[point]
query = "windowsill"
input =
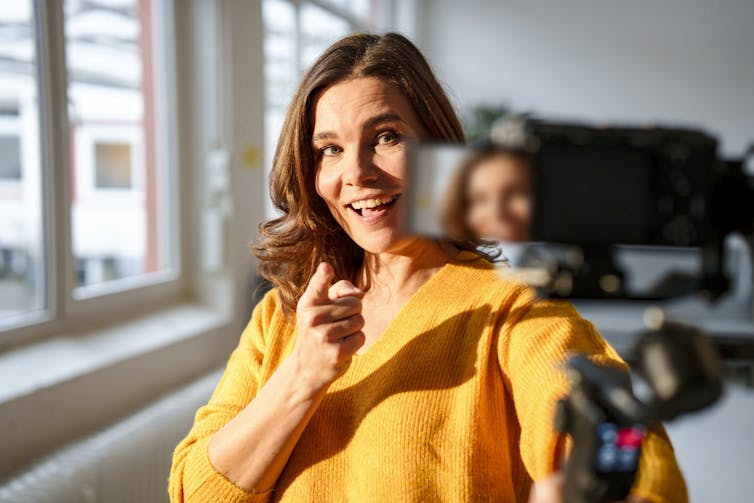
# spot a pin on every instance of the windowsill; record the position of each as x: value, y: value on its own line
x: 70, y: 356
x: 117, y: 369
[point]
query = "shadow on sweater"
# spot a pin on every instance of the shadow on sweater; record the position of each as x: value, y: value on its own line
x: 440, y: 358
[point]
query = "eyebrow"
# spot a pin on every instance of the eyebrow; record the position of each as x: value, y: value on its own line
x: 372, y: 122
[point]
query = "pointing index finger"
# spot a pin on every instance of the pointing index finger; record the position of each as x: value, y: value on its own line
x: 317, y: 290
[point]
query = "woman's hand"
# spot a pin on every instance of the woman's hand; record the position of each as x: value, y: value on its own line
x: 550, y: 490
x: 253, y: 448
x: 329, y: 328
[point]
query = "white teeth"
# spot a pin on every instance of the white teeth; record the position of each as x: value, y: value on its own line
x: 370, y: 203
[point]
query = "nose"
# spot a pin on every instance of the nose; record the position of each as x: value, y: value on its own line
x: 503, y: 210
x: 360, y: 168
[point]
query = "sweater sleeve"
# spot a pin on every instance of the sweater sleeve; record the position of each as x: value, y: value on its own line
x: 536, y: 339
x: 192, y: 476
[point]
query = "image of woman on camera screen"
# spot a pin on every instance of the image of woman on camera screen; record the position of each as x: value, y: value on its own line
x: 384, y: 366
x: 492, y: 189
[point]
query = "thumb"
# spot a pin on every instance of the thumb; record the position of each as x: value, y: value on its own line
x: 344, y: 288
x: 316, y: 290
x: 548, y: 490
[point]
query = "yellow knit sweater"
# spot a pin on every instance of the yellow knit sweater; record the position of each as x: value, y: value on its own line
x: 454, y: 402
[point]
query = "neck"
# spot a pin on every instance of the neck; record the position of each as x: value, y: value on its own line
x: 400, y: 273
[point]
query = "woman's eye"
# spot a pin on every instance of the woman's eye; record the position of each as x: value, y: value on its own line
x: 387, y: 138
x: 331, y: 150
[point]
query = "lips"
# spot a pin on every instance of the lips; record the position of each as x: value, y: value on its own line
x: 373, y: 209
x: 374, y: 202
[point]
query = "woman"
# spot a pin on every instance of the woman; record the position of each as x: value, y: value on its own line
x: 492, y: 188
x: 383, y: 367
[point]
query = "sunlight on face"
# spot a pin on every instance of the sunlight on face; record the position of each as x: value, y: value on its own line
x: 362, y: 128
x: 499, y: 198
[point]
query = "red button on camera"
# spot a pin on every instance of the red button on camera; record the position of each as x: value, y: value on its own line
x: 629, y: 437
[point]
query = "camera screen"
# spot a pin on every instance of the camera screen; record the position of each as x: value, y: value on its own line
x: 563, y: 194
x: 595, y: 196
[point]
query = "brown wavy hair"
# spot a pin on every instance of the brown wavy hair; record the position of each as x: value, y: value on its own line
x: 292, y: 245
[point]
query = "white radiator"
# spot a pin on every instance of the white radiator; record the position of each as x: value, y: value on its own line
x: 126, y: 462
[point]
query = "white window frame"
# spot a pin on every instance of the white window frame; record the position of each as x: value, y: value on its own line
x: 68, y: 308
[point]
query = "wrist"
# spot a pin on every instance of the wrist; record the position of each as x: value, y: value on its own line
x: 303, y: 386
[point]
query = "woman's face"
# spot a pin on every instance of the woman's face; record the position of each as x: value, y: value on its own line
x: 361, y: 132
x: 499, y: 198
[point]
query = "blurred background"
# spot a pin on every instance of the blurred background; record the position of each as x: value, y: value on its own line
x: 136, y: 137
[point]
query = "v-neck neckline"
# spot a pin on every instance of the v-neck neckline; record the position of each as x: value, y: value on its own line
x: 382, y: 344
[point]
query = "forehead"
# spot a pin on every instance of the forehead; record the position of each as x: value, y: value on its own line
x: 498, y: 167
x: 351, y: 103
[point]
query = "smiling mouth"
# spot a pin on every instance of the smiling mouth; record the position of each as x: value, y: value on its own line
x: 374, y: 206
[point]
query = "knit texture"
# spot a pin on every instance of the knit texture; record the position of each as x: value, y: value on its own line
x: 454, y: 402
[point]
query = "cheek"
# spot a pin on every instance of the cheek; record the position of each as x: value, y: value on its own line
x: 326, y: 185
x: 521, y: 205
x: 395, y: 164
x: 478, y: 214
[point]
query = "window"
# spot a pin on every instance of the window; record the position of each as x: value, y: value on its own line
x: 23, y: 271
x: 296, y: 33
x: 117, y: 209
x: 86, y: 212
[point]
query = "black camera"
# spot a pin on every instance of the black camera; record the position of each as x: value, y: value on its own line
x: 604, y: 186
x: 594, y: 188
x: 587, y: 190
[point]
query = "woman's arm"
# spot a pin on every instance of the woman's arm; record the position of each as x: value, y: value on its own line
x: 252, y: 449
x: 238, y: 454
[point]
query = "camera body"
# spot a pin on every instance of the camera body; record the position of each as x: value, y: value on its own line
x: 597, y: 187
x: 604, y: 186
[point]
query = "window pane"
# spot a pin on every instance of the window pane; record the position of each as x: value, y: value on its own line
x: 112, y: 161
x: 22, y: 271
x: 280, y: 72
x: 117, y: 207
x: 319, y: 29
x: 363, y: 9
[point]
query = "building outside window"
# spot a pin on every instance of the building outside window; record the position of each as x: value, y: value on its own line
x: 116, y: 163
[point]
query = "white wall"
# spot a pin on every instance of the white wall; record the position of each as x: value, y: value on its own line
x: 676, y: 61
